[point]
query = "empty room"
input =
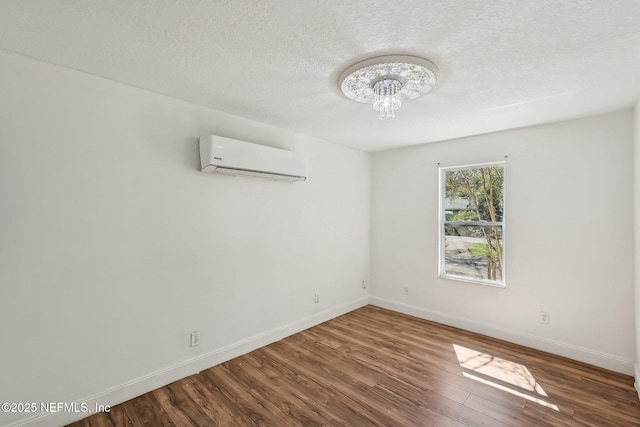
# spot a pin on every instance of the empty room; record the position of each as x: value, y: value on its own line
x: 331, y: 213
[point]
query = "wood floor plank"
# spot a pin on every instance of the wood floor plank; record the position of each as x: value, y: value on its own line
x: 317, y: 392
x: 544, y: 416
x: 507, y: 412
x: 347, y: 384
x: 375, y: 367
x: 218, y: 400
x: 147, y: 411
x: 100, y: 419
x: 118, y: 414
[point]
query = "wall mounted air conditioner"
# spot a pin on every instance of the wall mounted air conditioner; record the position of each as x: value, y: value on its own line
x: 232, y: 157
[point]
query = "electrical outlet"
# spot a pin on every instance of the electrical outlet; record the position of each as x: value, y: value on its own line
x: 195, y: 338
x: 406, y: 289
x: 364, y: 285
x: 316, y: 298
x: 544, y: 317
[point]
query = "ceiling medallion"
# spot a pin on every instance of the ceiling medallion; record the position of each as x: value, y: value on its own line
x: 386, y: 81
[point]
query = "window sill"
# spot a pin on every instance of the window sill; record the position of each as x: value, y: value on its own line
x: 471, y: 280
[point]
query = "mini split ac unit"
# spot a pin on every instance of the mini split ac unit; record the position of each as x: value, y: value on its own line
x: 232, y: 157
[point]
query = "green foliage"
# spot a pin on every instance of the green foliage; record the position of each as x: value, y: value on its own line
x: 482, y: 186
x: 465, y: 216
x: 482, y: 249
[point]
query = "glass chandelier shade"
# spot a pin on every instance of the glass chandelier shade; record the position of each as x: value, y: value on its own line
x: 387, y: 81
x: 387, y: 98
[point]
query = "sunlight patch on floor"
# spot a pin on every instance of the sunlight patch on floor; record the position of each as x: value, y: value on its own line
x: 501, y: 374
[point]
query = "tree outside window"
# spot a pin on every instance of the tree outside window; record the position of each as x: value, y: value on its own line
x: 472, y: 223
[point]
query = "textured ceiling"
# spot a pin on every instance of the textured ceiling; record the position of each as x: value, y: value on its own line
x: 503, y: 63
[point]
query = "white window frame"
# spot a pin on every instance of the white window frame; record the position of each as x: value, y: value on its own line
x: 442, y: 221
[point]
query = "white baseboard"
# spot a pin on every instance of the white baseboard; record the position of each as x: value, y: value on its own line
x: 585, y: 355
x: 147, y: 383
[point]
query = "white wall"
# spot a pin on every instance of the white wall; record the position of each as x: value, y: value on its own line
x: 113, y: 246
x: 569, y: 243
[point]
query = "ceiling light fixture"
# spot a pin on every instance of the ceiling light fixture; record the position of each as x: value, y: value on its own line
x: 386, y: 81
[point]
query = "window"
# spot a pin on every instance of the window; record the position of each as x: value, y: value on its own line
x: 472, y: 223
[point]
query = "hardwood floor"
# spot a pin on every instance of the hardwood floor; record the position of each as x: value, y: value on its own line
x: 374, y: 367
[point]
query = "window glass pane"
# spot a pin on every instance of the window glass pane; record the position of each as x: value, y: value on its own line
x: 474, y: 251
x: 472, y: 215
x: 474, y: 194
